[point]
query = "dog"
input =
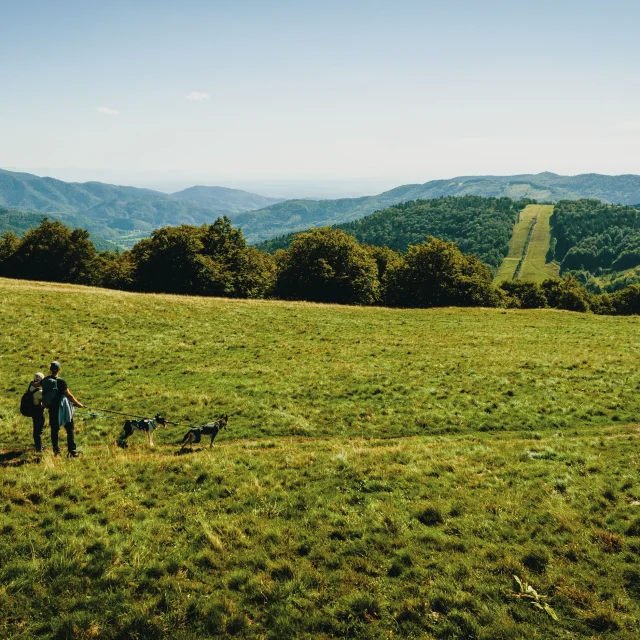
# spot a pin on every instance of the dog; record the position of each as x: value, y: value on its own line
x: 210, y: 429
x: 148, y: 425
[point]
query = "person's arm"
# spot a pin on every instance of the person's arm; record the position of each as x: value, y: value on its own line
x: 70, y: 396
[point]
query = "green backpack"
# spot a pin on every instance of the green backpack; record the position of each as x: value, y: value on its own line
x: 49, y: 392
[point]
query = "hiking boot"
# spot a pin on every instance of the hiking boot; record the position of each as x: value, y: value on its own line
x: 41, y: 449
x: 74, y: 454
x: 56, y: 452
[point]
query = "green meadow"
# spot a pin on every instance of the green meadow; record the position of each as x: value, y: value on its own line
x: 386, y: 472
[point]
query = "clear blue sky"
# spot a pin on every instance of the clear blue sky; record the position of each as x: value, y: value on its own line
x: 399, y: 91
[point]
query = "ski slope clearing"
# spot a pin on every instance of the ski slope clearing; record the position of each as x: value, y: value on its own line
x: 535, y: 267
x: 518, y: 243
x: 529, y: 247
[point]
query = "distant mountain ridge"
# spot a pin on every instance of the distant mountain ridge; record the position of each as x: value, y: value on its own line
x: 298, y: 215
x: 224, y: 199
x: 117, y: 212
x: 126, y: 214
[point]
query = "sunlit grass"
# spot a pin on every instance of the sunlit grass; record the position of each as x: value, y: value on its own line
x: 385, y: 474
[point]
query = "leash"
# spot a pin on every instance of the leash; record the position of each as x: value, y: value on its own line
x: 120, y: 413
x: 92, y: 414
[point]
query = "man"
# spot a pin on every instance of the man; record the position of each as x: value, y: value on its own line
x: 54, y: 389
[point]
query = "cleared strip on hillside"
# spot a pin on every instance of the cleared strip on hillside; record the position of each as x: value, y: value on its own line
x: 517, y: 243
x: 535, y: 268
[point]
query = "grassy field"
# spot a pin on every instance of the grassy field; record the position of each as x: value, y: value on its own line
x: 517, y: 244
x: 535, y: 268
x: 386, y: 472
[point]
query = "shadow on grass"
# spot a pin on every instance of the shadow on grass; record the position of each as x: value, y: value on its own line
x: 183, y: 452
x: 16, y: 458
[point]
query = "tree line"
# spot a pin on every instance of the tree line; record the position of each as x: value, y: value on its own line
x: 479, y: 226
x: 320, y: 265
x: 593, y: 238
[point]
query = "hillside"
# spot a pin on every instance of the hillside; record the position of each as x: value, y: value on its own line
x: 518, y: 244
x: 298, y: 215
x: 228, y: 201
x: 529, y: 248
x: 315, y: 514
x: 117, y: 213
x: 480, y: 226
x: 537, y: 265
x: 19, y: 222
x: 595, y: 236
x: 126, y: 214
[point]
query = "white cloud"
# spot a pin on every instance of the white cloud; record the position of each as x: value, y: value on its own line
x: 197, y: 96
x: 107, y: 112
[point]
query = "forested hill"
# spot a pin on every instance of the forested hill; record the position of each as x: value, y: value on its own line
x: 298, y: 215
x: 19, y: 222
x: 225, y: 200
x: 590, y: 239
x: 127, y: 214
x: 479, y: 226
x: 120, y: 213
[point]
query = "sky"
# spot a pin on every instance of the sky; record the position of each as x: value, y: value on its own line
x: 355, y: 94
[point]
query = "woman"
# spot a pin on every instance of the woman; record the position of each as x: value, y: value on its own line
x: 37, y: 415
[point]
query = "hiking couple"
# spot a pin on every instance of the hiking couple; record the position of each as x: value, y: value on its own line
x: 52, y: 392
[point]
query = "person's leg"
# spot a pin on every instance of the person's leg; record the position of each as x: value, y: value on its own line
x: 55, y: 427
x: 71, y: 444
x: 38, y: 426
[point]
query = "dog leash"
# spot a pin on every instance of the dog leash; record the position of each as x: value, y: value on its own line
x: 126, y: 415
x: 93, y: 414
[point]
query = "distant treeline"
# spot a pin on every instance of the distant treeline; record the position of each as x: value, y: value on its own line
x: 595, y: 239
x: 478, y: 226
x: 321, y: 265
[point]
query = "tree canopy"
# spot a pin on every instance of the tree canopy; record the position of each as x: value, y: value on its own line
x: 327, y: 265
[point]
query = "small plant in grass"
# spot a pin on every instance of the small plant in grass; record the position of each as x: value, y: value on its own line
x: 430, y: 516
x: 526, y: 592
x: 362, y: 606
x: 609, y: 541
x: 536, y: 560
x: 634, y: 528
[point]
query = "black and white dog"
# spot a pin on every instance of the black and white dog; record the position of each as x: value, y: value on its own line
x: 210, y: 429
x: 146, y: 425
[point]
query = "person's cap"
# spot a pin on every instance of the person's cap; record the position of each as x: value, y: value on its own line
x: 38, y: 376
x: 55, y: 366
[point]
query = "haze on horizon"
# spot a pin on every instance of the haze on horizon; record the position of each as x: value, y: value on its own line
x: 368, y: 93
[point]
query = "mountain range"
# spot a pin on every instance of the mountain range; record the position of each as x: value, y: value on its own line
x: 125, y: 214
x: 120, y: 213
x: 296, y: 215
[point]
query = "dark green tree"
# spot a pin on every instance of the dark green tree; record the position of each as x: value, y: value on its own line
x: 54, y: 253
x: 170, y: 261
x: 565, y: 293
x: 118, y: 270
x: 9, y: 243
x: 527, y: 295
x: 327, y: 265
x: 436, y: 274
x: 626, y: 301
x: 211, y: 260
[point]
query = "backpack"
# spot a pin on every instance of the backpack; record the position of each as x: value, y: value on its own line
x: 26, y: 403
x: 49, y: 388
